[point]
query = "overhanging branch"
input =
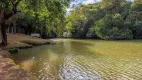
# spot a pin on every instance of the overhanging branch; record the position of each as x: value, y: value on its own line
x: 14, y: 9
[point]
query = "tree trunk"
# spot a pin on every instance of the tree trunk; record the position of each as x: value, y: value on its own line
x: 6, y: 16
x: 14, y: 27
x: 4, y: 34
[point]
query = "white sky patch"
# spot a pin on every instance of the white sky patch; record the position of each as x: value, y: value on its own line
x: 77, y: 3
x: 89, y: 1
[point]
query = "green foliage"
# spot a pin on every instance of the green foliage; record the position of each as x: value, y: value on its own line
x: 69, y: 26
x: 137, y: 5
x: 112, y: 27
x: 108, y: 19
x: 80, y: 20
x: 134, y: 19
x: 42, y: 16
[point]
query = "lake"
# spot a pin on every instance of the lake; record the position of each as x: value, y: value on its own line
x: 74, y: 59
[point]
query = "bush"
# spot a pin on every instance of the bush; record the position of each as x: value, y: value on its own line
x: 112, y: 27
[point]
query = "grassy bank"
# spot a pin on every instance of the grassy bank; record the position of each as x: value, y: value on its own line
x: 24, y: 41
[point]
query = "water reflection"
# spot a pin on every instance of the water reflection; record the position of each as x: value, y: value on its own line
x: 84, y: 60
x: 27, y: 64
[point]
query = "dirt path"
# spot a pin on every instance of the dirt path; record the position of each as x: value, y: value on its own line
x: 24, y: 41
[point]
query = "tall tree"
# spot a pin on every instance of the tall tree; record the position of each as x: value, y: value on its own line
x: 8, y: 10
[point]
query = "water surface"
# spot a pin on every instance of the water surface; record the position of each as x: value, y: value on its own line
x: 72, y: 59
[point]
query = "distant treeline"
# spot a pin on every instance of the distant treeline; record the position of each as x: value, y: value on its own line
x: 108, y: 19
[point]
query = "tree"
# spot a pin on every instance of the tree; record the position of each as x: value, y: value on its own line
x: 8, y: 10
x: 79, y: 24
x: 108, y: 19
x: 112, y: 27
x: 134, y: 19
x: 42, y: 8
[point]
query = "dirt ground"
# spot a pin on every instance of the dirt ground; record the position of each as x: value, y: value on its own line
x: 24, y: 41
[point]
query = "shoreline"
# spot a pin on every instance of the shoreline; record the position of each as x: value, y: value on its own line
x: 8, y: 69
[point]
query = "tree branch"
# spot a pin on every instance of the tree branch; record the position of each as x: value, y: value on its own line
x: 14, y: 5
x: 14, y: 9
x: 17, y: 2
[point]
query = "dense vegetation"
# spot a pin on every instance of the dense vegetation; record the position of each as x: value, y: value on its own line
x: 28, y: 16
x: 108, y: 19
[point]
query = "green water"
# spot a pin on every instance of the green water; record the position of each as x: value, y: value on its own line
x: 72, y: 59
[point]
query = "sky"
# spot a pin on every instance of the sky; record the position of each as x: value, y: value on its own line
x: 76, y: 3
x: 89, y: 1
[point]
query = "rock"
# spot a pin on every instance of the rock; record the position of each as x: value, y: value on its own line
x: 4, y: 54
x: 14, y: 50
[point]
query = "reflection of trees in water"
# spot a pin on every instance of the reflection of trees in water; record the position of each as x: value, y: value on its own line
x: 72, y: 59
x: 72, y: 68
x: 49, y: 64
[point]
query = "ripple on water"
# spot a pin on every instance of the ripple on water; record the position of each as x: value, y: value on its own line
x: 73, y: 70
x: 85, y: 60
